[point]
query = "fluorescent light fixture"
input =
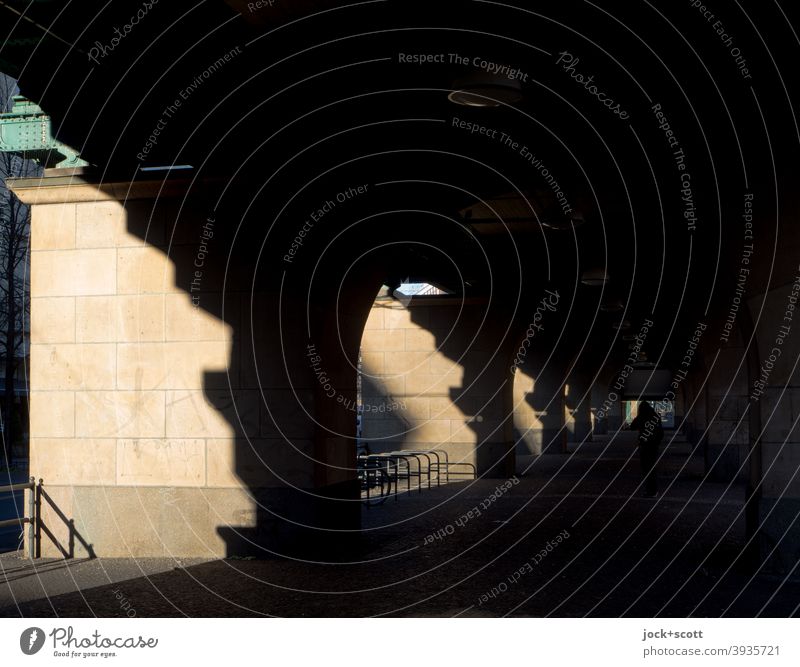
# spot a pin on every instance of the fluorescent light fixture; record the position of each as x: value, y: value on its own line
x: 595, y: 277
x: 485, y: 90
x: 612, y: 306
x: 174, y: 167
x: 559, y: 220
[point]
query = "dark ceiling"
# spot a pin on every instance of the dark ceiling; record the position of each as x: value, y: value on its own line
x: 313, y: 99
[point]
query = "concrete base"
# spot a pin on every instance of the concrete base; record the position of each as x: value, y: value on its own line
x: 779, y: 536
x: 579, y: 431
x: 554, y: 441
x: 541, y: 441
x: 725, y: 463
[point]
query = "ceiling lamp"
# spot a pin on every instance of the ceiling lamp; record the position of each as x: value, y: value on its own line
x: 561, y: 220
x: 612, y: 306
x: 595, y: 277
x: 483, y: 89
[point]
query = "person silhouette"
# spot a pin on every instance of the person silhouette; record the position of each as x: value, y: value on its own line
x: 648, y: 423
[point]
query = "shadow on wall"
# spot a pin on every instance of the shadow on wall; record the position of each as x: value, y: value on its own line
x: 386, y: 418
x: 217, y: 427
x: 200, y: 427
x: 223, y: 423
x: 450, y: 364
x: 458, y: 386
x: 539, y: 416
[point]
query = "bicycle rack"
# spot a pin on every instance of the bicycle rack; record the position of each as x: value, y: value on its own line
x: 438, y: 453
x: 472, y: 470
x: 398, y: 458
x: 369, y: 467
x: 417, y: 453
x: 408, y: 455
x: 392, y: 467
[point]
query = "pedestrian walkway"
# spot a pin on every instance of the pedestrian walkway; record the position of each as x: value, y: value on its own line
x: 571, y: 537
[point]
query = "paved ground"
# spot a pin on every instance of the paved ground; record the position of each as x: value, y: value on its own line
x: 621, y: 554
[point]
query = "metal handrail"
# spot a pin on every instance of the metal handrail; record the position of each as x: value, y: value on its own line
x: 417, y: 454
x: 30, y: 517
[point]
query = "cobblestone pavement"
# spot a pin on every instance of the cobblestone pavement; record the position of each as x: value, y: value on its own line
x: 572, y: 538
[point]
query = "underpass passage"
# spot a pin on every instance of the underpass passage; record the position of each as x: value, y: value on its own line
x: 673, y: 554
x: 618, y: 226
x: 237, y: 416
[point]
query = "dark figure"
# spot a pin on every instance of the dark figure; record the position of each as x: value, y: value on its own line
x: 648, y: 423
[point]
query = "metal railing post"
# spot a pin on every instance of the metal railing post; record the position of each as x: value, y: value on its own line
x: 32, y: 519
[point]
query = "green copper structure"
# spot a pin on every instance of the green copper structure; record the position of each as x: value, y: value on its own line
x: 26, y: 129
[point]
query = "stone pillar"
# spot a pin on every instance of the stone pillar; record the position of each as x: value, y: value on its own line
x: 603, y: 401
x: 162, y: 420
x: 694, y: 413
x: 775, y: 457
x: 614, y: 414
x: 578, y: 400
x: 728, y: 434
